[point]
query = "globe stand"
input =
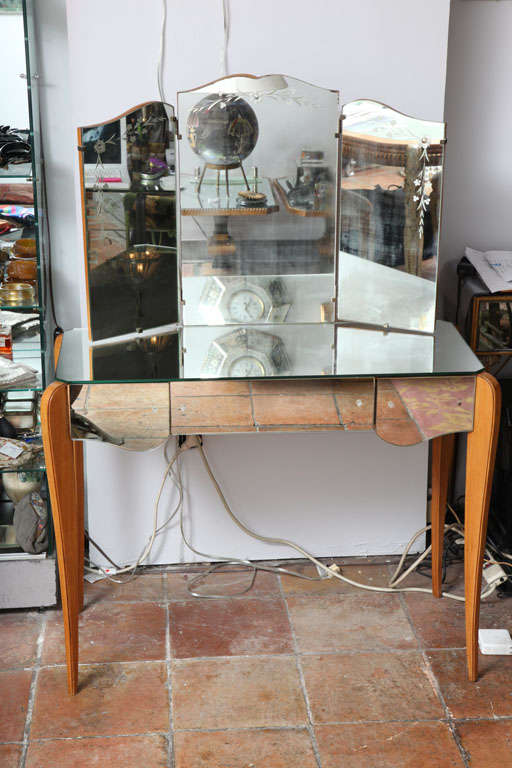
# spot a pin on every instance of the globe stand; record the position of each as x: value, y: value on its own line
x: 225, y: 168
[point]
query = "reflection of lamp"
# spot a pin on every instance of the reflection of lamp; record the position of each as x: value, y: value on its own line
x: 153, y: 346
x: 223, y: 130
x: 139, y: 263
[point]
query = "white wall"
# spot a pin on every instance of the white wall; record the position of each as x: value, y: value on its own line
x: 478, y: 182
x: 12, y: 63
x: 338, y: 493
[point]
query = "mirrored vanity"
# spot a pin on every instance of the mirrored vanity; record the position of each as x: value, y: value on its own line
x: 266, y: 245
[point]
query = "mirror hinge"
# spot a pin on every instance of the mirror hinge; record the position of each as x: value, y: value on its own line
x: 177, y: 128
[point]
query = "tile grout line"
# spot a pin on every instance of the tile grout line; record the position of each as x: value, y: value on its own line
x: 32, y: 692
x: 435, y: 684
x: 300, y: 672
x: 303, y: 654
x: 170, y: 735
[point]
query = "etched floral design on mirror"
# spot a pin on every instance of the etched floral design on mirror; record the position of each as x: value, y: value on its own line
x: 390, y: 206
x: 129, y: 198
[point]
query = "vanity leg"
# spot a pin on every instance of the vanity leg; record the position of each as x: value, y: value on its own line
x: 78, y: 455
x: 481, y: 455
x: 61, y: 462
x: 442, y: 465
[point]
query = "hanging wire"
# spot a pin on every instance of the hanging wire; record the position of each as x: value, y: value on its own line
x: 226, y: 17
x: 161, y: 56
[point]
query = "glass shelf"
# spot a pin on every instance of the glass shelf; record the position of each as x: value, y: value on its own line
x: 33, y: 358
x: 36, y: 465
x: 21, y: 171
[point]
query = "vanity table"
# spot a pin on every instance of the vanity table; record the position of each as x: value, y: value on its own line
x: 277, y: 336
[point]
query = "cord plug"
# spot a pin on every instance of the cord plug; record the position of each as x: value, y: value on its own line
x: 494, y: 574
x: 324, y: 574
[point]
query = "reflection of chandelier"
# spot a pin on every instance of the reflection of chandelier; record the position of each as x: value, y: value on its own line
x: 152, y: 346
x: 139, y: 262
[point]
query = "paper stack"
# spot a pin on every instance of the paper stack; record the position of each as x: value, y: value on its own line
x: 494, y: 267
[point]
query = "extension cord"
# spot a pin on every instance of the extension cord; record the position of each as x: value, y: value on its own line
x: 494, y: 574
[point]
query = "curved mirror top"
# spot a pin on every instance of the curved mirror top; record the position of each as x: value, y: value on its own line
x: 389, y: 217
x: 372, y: 118
x: 129, y: 203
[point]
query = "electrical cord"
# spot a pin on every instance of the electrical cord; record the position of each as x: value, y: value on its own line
x: 173, y: 470
x: 292, y: 545
x: 161, y: 56
x: 131, y: 569
x: 226, y: 18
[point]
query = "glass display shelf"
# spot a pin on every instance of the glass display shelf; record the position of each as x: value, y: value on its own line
x: 276, y: 351
x: 21, y: 171
x: 35, y: 465
x: 33, y: 358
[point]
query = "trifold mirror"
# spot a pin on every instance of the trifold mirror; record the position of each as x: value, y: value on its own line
x: 258, y: 232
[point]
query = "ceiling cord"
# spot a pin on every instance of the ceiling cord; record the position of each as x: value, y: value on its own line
x: 226, y: 18
x: 161, y: 57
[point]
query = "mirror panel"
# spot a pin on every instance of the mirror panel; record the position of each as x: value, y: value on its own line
x: 258, y: 170
x: 129, y: 198
x: 390, y: 205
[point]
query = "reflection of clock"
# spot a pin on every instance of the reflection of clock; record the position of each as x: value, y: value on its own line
x: 244, y: 300
x: 245, y: 306
x: 247, y: 353
x: 246, y: 365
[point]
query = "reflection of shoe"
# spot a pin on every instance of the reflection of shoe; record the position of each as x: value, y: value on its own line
x: 13, y: 149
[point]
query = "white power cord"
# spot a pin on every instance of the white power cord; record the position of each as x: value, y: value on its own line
x: 173, y: 470
x: 226, y: 17
x: 328, y: 569
x: 156, y: 528
x: 161, y: 56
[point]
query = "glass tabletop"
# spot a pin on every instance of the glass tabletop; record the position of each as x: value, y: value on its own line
x: 306, y: 350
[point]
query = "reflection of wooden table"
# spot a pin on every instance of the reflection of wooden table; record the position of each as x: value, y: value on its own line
x: 213, y: 201
x: 402, y: 411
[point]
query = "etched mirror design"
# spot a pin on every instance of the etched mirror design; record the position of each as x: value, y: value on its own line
x: 129, y: 203
x: 258, y: 181
x: 390, y: 204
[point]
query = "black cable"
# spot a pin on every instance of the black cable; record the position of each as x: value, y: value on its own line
x: 97, y: 546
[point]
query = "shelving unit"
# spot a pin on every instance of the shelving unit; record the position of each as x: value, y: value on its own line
x: 27, y: 580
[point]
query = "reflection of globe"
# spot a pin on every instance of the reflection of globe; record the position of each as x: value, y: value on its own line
x: 222, y: 129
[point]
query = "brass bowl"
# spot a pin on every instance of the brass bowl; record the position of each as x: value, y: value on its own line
x: 16, y: 295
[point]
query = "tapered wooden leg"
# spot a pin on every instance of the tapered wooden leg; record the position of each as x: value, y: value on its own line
x: 442, y: 465
x: 481, y: 455
x: 78, y: 455
x: 61, y: 462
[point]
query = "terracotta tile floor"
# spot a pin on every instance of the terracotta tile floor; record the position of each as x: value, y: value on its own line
x: 293, y: 674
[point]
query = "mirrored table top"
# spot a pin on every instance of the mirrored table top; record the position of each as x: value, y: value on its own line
x: 284, y: 351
